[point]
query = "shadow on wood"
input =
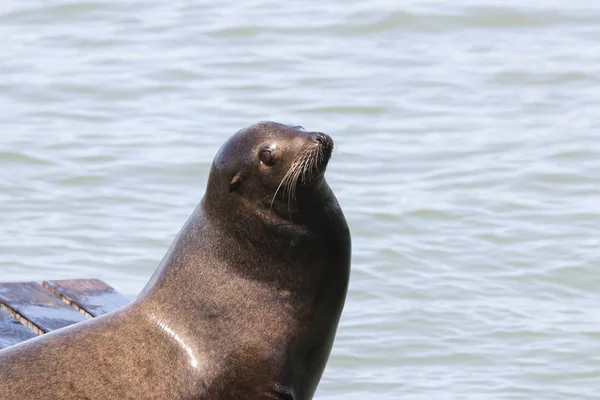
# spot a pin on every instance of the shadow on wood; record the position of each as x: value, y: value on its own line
x: 12, y: 331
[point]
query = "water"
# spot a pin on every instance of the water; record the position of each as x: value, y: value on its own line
x: 467, y: 164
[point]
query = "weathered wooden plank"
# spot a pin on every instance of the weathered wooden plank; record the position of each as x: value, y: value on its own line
x: 12, y: 331
x: 93, y: 297
x: 43, y: 310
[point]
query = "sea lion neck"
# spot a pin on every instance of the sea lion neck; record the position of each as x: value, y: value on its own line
x: 227, y: 227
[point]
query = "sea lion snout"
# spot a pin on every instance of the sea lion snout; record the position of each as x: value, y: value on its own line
x: 325, y: 146
x: 325, y: 141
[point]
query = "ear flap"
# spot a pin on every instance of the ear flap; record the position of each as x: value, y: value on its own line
x: 234, y: 183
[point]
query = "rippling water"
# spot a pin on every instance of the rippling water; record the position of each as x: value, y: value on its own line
x: 467, y: 164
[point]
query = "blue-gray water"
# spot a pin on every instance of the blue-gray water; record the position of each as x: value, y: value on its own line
x: 467, y: 164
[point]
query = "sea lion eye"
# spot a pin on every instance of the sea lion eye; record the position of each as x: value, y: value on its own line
x: 266, y: 157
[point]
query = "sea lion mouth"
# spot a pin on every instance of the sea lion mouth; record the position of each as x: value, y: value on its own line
x: 307, y: 167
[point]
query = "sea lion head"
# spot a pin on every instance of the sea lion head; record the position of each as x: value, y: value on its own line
x: 270, y: 168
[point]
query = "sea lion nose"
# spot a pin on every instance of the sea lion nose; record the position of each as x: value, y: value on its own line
x: 324, y: 140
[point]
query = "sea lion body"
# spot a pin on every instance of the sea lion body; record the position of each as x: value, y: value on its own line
x: 245, y: 304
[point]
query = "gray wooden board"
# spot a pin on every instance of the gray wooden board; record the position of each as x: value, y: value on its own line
x: 39, y: 306
x: 93, y: 296
x: 12, y: 331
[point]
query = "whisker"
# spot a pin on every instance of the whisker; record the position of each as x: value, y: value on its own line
x: 321, y: 158
x: 294, y: 184
x: 303, y: 168
x: 309, y: 165
x: 278, y: 187
x: 314, y: 165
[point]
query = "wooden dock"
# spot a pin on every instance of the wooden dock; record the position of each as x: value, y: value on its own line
x: 28, y: 309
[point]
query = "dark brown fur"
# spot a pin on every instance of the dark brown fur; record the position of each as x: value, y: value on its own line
x: 244, y: 305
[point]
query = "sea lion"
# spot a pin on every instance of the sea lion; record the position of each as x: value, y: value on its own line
x: 244, y: 305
